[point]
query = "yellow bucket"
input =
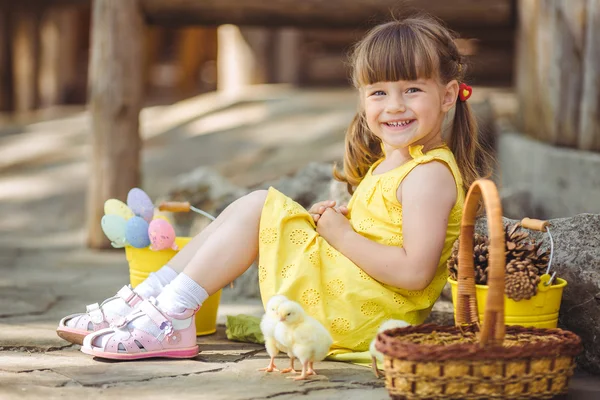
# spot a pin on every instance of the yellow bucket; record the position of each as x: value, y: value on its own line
x: 540, y: 311
x: 143, y: 261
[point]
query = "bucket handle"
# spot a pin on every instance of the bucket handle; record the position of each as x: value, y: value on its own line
x: 542, y: 226
x: 182, y: 206
x: 492, y: 327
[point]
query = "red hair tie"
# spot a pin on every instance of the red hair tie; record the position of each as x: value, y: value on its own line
x: 464, y: 91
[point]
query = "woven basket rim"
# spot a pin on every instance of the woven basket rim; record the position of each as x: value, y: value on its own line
x: 391, y: 343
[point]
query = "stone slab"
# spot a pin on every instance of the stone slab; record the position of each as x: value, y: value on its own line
x: 42, y: 378
x: 25, y: 300
x: 21, y: 361
x: 105, y: 372
x: 30, y: 337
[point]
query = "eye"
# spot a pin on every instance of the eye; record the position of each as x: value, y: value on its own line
x: 289, y: 313
x: 378, y: 93
x: 413, y: 90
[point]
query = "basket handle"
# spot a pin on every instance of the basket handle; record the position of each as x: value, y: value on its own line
x: 492, y: 329
x: 174, y: 206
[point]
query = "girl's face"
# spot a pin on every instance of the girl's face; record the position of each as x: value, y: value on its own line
x: 405, y: 113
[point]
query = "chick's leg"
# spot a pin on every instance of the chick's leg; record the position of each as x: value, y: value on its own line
x: 291, y: 368
x: 376, y: 370
x: 311, y: 371
x: 272, y: 350
x: 271, y: 367
x: 304, y: 375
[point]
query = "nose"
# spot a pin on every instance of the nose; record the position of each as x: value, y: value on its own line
x: 395, y: 104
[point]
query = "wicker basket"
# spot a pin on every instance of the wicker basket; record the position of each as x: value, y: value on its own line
x: 472, y: 361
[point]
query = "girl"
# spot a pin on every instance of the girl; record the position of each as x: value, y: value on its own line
x: 383, y: 256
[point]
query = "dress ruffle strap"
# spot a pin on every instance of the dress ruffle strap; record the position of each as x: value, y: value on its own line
x: 416, y: 152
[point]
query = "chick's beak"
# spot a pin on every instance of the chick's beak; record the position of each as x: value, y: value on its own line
x: 282, y: 319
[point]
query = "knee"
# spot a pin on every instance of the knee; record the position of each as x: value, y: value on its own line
x: 256, y: 200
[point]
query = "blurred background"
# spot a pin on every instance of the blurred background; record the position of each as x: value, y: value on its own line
x: 185, y: 99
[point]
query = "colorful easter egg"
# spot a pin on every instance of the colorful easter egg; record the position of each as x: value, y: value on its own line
x: 136, y: 232
x: 114, y: 229
x: 162, y: 235
x: 117, y: 207
x: 140, y: 204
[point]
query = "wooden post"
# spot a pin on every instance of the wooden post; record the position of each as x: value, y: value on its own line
x: 287, y: 51
x: 550, y: 65
x: 569, y: 46
x: 25, y: 47
x: 243, y: 57
x: 58, y: 64
x: 6, y: 81
x: 589, y: 125
x: 526, y: 85
x: 115, y: 85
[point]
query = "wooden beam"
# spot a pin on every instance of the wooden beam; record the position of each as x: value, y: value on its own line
x: 319, y: 13
x: 115, y: 83
x: 589, y: 138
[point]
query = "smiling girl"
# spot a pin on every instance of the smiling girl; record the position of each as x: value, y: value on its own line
x: 351, y: 267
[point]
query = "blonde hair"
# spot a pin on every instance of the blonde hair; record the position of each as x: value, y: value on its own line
x: 410, y: 49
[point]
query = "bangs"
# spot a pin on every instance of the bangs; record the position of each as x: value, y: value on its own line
x: 393, y: 52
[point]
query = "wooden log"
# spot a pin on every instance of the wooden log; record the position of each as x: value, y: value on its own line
x: 115, y: 82
x: 244, y: 57
x: 25, y: 57
x: 589, y: 136
x: 58, y: 64
x: 287, y: 53
x: 570, y: 31
x: 528, y: 81
x: 319, y: 13
x: 6, y: 74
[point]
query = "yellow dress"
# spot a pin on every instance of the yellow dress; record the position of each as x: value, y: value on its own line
x: 297, y: 262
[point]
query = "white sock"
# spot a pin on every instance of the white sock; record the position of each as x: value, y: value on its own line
x: 156, y: 282
x: 182, y: 293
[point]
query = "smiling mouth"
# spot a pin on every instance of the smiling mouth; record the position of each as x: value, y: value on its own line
x: 396, y: 124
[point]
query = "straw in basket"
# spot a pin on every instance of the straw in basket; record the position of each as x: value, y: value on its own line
x: 472, y: 361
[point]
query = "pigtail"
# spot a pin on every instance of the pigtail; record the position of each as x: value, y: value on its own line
x: 473, y: 160
x: 362, y: 150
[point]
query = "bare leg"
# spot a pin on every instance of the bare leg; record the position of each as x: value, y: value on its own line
x: 311, y: 371
x: 229, y: 249
x: 185, y: 255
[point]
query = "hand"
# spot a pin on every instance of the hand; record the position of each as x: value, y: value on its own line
x: 319, y: 208
x: 333, y: 225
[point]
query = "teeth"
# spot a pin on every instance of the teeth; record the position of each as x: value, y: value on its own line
x: 398, y: 123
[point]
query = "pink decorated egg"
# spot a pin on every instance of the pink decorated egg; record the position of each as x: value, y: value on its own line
x: 162, y: 235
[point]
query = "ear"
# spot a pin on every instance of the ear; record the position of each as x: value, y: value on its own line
x: 450, y: 95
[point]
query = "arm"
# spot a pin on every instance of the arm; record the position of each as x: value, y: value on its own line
x: 427, y: 195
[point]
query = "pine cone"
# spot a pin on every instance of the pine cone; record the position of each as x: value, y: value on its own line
x: 452, y: 262
x: 480, y: 259
x: 521, y: 279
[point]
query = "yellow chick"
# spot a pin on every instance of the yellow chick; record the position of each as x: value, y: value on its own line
x: 267, y: 326
x: 377, y: 355
x: 303, y: 335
